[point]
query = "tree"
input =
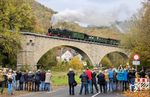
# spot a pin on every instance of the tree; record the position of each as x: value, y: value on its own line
x: 15, y: 16
x: 76, y: 63
x: 137, y: 40
x: 48, y: 60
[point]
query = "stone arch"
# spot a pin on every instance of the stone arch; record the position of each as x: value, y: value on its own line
x: 80, y: 51
x: 123, y: 54
x: 33, y: 50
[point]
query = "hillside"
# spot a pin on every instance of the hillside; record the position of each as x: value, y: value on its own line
x: 43, y: 15
x: 106, y: 32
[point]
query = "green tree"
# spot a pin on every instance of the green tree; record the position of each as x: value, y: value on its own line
x: 48, y: 60
x: 15, y: 16
x: 137, y: 40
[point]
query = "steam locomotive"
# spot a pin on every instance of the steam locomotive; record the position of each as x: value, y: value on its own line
x: 65, y: 33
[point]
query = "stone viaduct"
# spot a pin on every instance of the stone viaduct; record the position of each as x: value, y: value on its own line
x: 34, y: 46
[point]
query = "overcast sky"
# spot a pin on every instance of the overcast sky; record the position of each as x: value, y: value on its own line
x: 92, y: 12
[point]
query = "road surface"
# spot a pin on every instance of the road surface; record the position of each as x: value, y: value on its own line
x: 63, y: 92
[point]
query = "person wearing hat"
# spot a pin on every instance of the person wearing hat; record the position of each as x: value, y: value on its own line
x: 71, y: 81
x: 48, y: 76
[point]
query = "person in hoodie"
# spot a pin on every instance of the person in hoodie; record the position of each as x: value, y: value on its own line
x: 71, y: 80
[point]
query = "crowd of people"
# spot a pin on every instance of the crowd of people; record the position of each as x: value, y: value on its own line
x: 92, y: 81
x: 108, y: 80
x: 29, y: 81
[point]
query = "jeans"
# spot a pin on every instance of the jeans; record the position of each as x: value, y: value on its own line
x: 17, y: 85
x: 96, y: 88
x: 111, y: 84
x: 132, y: 80
x: 120, y: 85
x: 47, y: 86
x: 42, y: 86
x: 84, y: 85
x: 90, y: 85
x: 107, y: 86
x: 10, y: 88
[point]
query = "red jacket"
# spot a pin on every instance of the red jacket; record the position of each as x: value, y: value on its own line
x: 89, y: 74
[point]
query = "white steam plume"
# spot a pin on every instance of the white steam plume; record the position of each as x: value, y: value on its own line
x: 92, y: 16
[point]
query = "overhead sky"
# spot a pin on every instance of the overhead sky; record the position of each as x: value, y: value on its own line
x: 92, y: 12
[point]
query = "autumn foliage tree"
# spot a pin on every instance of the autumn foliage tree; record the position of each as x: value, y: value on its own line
x: 76, y: 63
x: 15, y: 16
x: 138, y: 39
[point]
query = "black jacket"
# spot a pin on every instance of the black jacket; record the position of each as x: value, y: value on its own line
x: 71, y: 78
x: 101, y: 78
x: 84, y: 78
x: 94, y: 77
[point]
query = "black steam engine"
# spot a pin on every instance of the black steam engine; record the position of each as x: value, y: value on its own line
x: 64, y: 33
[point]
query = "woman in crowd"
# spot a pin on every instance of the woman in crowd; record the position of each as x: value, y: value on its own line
x: 71, y: 81
x: 10, y: 79
x: 48, y: 76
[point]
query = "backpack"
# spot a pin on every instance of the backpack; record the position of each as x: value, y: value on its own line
x: 101, y: 77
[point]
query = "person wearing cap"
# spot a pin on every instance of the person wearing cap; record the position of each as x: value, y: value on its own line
x: 71, y: 80
x: 101, y: 82
x: 48, y: 76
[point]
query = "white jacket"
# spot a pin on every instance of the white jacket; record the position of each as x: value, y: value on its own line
x: 48, y: 77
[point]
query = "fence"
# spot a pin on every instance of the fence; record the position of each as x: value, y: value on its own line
x: 141, y: 84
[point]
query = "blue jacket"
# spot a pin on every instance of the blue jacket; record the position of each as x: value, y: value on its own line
x: 125, y: 75
x: 110, y: 74
x: 120, y: 76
